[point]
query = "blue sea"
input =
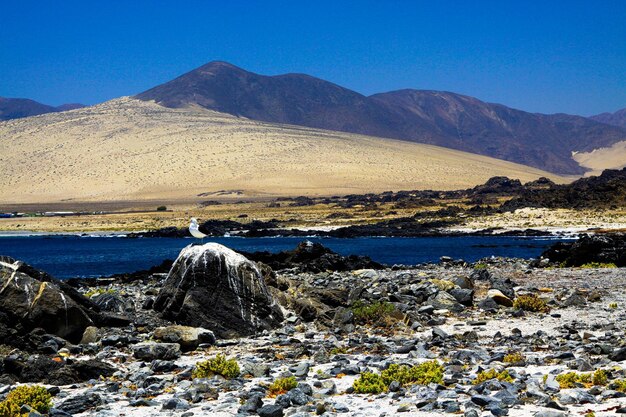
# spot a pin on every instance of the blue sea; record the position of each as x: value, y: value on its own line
x: 94, y: 256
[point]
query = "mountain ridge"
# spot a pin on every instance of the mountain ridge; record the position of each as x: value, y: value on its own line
x: 16, y: 108
x: 461, y: 122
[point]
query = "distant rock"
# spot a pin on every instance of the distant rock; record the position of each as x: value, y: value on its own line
x: 588, y: 249
x: 313, y: 257
x: 213, y: 287
x: 189, y: 338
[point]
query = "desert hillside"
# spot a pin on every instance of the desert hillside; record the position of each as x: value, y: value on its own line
x: 128, y: 149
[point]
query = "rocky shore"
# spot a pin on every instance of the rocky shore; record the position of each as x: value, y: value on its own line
x: 221, y: 334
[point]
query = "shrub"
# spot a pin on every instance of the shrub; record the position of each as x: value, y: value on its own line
x: 282, y: 385
x: 369, y: 383
x: 219, y: 365
x: 619, y: 385
x: 598, y: 265
x: 368, y: 313
x: 491, y: 374
x: 97, y: 291
x: 422, y: 374
x: 161, y: 208
x: 480, y: 265
x: 515, y: 357
x: 36, y: 396
x: 442, y: 284
x: 573, y: 379
x: 613, y: 306
x: 531, y: 302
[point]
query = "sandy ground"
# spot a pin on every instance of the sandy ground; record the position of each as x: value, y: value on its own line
x: 126, y: 149
x: 613, y: 157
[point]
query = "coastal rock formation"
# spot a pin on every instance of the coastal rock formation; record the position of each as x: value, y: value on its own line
x: 213, y: 287
x: 607, y: 249
x: 27, y: 303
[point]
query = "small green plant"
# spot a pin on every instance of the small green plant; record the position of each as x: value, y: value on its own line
x: 574, y: 379
x: 340, y: 350
x: 35, y: 396
x: 97, y: 291
x: 531, y: 302
x: 590, y: 414
x: 282, y: 385
x: 422, y: 374
x: 619, y: 385
x: 613, y: 306
x: 219, y: 365
x: 371, y: 312
x: 515, y: 357
x: 493, y: 374
x: 369, y: 383
x: 598, y: 265
x: 161, y: 208
x: 480, y: 265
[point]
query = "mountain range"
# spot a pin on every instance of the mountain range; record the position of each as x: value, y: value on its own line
x: 15, y: 108
x: 434, y: 117
x: 558, y: 143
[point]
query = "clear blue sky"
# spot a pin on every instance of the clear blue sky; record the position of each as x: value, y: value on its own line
x: 539, y: 56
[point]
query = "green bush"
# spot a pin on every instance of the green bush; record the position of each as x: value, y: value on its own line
x: 161, y: 208
x: 371, y: 312
x: 369, y: 383
x: 422, y: 374
x: 282, y: 385
x: 515, y: 357
x: 598, y: 265
x: 531, y: 302
x: 493, y: 374
x: 35, y: 396
x: 219, y: 365
x: 573, y: 379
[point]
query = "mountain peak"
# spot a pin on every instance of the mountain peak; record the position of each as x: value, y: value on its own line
x: 433, y: 117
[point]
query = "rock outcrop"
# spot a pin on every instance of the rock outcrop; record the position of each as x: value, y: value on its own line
x: 213, y: 287
x: 608, y: 249
x: 27, y: 303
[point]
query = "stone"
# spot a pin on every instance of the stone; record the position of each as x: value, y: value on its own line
x: 150, y: 351
x: 618, y: 355
x: 443, y: 300
x: 213, y: 287
x: 80, y: 403
x: 271, y: 410
x: 189, y: 338
x: 31, y: 299
x: 464, y: 296
x: 499, y: 298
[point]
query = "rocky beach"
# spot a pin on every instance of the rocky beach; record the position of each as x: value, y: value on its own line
x: 317, y: 333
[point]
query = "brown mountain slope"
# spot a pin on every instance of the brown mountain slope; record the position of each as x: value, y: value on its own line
x: 127, y: 150
x: 15, y: 108
x: 616, y: 119
x: 440, y: 118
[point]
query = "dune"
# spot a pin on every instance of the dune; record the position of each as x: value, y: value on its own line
x: 126, y: 149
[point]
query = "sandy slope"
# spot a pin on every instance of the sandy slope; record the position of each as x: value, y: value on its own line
x: 126, y: 149
x: 613, y: 157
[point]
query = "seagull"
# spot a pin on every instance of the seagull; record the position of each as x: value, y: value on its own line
x: 194, y: 229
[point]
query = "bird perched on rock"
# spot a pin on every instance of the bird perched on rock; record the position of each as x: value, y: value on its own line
x: 194, y: 229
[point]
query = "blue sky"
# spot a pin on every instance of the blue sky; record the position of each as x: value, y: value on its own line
x: 539, y: 56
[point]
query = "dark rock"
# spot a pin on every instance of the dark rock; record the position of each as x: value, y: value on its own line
x: 80, y: 403
x: 590, y: 248
x: 151, y: 351
x: 463, y: 295
x: 270, y: 411
x: 211, y: 286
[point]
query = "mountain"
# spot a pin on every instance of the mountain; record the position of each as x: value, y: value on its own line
x: 434, y: 117
x: 129, y: 150
x: 15, y: 108
x: 616, y: 119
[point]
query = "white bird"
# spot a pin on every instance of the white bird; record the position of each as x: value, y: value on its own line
x: 194, y: 229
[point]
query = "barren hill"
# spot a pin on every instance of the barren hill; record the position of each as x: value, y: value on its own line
x: 434, y: 117
x: 127, y: 149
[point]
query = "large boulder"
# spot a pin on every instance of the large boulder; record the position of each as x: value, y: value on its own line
x: 27, y: 303
x: 213, y: 287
